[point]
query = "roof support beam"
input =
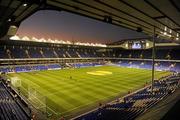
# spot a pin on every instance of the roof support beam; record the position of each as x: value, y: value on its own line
x: 142, y: 12
x: 153, y: 58
x: 174, y: 4
x: 5, y: 9
x: 27, y: 7
x: 110, y: 13
x: 149, y: 3
x: 159, y: 17
x: 58, y: 2
x: 107, y: 5
x: 11, y: 15
x: 43, y: 3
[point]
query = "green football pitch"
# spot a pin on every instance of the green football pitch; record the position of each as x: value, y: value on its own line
x: 70, y: 91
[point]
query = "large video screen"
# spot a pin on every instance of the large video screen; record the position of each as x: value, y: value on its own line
x: 136, y: 45
x: 139, y: 44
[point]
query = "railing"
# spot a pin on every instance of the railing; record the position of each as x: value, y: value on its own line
x: 88, y: 58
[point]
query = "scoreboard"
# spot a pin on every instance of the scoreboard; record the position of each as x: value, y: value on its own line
x: 137, y: 44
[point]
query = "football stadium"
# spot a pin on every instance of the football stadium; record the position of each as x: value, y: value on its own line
x: 134, y: 76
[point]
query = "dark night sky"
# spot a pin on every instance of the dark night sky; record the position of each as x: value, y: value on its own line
x: 67, y: 26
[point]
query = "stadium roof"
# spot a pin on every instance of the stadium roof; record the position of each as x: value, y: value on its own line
x: 138, y: 15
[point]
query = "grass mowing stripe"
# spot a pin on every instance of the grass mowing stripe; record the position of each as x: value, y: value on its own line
x: 44, y: 86
x: 67, y: 95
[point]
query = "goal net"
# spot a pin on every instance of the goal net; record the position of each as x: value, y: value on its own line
x: 37, y: 99
x: 16, y: 82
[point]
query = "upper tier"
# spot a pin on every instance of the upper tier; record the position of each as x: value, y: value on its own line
x: 11, y: 50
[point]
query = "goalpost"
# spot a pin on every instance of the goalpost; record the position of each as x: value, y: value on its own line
x: 41, y: 102
x: 37, y: 99
x: 16, y: 82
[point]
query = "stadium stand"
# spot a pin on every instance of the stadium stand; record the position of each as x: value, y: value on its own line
x: 127, y: 58
x: 78, y: 65
x: 11, y: 51
x: 30, y: 56
x: 168, y: 66
x: 12, y: 107
x: 3, y: 52
x: 34, y: 52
